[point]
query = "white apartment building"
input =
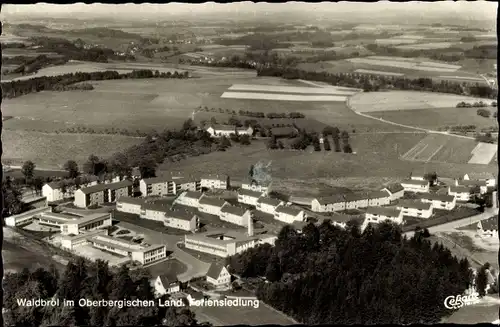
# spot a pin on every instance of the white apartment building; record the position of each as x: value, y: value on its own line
x: 211, y: 205
x: 268, y: 205
x: 215, y: 182
x: 130, y: 205
x: 379, y: 214
x: 189, y: 198
x: 181, y: 219
x: 395, y: 191
x: 154, y: 211
x: 471, y: 184
x: 438, y: 201
x: 461, y: 193
x: 289, y: 214
x: 159, y: 186
x: 235, y: 215
x: 416, y: 186
x: 415, y: 209
x: 329, y: 204
x: 248, y: 197
x: 489, y: 178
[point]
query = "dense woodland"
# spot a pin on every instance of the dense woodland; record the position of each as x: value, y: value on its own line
x: 328, y: 275
x: 93, y: 281
x: 18, y: 88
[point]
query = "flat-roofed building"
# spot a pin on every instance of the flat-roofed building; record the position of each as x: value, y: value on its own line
x: 211, y: 205
x: 130, y: 205
x: 87, y: 223
x: 189, y: 198
x: 439, y: 201
x: 181, y: 219
x: 25, y: 217
x: 416, y: 186
x: 416, y: 209
x: 70, y: 242
x: 248, y: 197
x: 268, y: 205
x: 288, y: 214
x: 235, y: 215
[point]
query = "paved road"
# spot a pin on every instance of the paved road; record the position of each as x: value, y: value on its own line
x: 458, y: 223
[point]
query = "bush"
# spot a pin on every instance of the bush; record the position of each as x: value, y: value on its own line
x: 483, y: 113
x: 123, y: 232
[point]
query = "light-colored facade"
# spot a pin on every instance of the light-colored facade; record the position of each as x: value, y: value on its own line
x: 415, y: 209
x: 489, y: 178
x: 268, y: 205
x: 181, y: 219
x: 215, y: 182
x: 488, y: 227
x: 211, y: 205
x: 248, y: 197
x: 416, y: 186
x: 443, y: 202
x: 483, y: 188
x: 153, y: 211
x: 228, y: 130
x: 129, y: 205
x: 264, y: 190
x: 379, y: 214
x: 54, y: 192
x: 164, y: 286
x: 460, y: 193
x: 289, y: 214
x: 395, y: 191
x: 159, y: 186
x: 71, y: 242
x: 189, y: 198
x: 102, y: 193
x: 331, y: 204
x: 184, y: 185
x: 25, y: 217
x: 235, y: 215
x: 218, y: 276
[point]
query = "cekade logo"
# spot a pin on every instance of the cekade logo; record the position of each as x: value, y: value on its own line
x: 458, y: 301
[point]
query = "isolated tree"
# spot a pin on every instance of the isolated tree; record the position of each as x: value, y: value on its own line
x: 281, y: 146
x: 72, y: 168
x: 38, y: 185
x: 28, y: 170
x: 251, y: 172
x: 326, y: 144
x: 224, y: 142
x: 12, y: 199
x: 245, y: 139
x: 90, y: 167
x: 188, y: 125
x: 147, y: 167
x: 119, y: 165
x: 431, y: 177
x: 347, y: 148
x: 482, y: 280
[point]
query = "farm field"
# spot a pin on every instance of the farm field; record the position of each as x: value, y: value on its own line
x: 405, y: 100
x: 291, y: 89
x: 435, y: 118
x: 441, y: 148
x: 406, y: 64
x: 483, y: 153
x: 283, y: 97
x: 53, y: 150
x: 377, y: 72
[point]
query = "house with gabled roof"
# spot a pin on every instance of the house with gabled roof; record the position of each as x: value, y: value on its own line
x: 248, y: 197
x: 378, y: 198
x: 211, y: 205
x: 380, y: 214
x: 473, y: 184
x: 235, y: 215
x: 489, y: 178
x: 488, y: 227
x: 329, y: 204
x: 181, y: 219
x: 189, y: 198
x: 461, y: 193
x: 416, y: 209
x: 439, y: 201
x: 288, y: 214
x: 154, y: 211
x: 415, y: 186
x: 129, y: 204
x: 268, y: 205
x: 165, y: 285
x: 218, y: 276
x: 395, y: 191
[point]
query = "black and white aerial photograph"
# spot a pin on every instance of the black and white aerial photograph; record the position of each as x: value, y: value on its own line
x: 249, y: 163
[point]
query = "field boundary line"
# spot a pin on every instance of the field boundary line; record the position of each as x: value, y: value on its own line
x: 419, y: 152
x: 413, y: 149
x: 434, y: 153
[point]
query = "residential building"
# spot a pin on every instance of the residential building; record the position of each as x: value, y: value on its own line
x: 418, y: 175
x: 25, y: 217
x: 188, y: 184
x: 215, y: 182
x: 211, y: 205
x: 439, y: 201
x: 249, y: 197
x: 355, y: 201
x: 489, y: 178
x: 189, y: 198
x: 396, y: 191
x: 54, y: 191
x: 380, y: 214
x: 160, y: 186
x: 218, y: 276
x: 154, y: 211
x: 181, y: 219
x: 252, y: 186
x: 329, y: 204
x: 102, y: 193
x: 235, y: 215
x: 473, y: 184
x: 227, y: 130
x: 340, y: 220
x: 165, y: 285
x: 130, y: 205
x: 224, y: 243
x: 378, y: 198
x: 268, y: 205
x: 415, y: 208
x: 488, y: 227
x: 289, y: 214
x: 461, y: 193
x: 136, y: 252
x: 416, y: 186
x: 244, y: 130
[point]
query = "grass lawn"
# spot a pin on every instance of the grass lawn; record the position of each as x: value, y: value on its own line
x: 171, y: 268
x: 475, y: 252
x: 435, y: 118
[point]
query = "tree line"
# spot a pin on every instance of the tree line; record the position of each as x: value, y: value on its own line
x: 478, y: 104
x: 302, y: 139
x: 93, y: 281
x: 255, y: 114
x: 18, y: 88
x: 328, y: 275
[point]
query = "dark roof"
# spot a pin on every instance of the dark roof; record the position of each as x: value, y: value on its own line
x: 389, y: 212
x: 166, y: 281
x: 193, y: 195
x: 223, y: 127
x: 269, y: 201
x: 282, y: 131
x: 436, y: 197
x: 130, y: 200
x: 179, y: 214
x: 109, y: 186
x: 289, y: 210
x: 354, y: 197
x: 490, y: 223
x: 156, y: 180
x: 414, y: 182
x: 394, y: 188
x: 214, y: 270
x: 238, y: 211
x: 377, y: 195
x: 250, y: 193
x: 418, y: 173
x: 216, y: 202
x: 155, y: 207
x: 471, y: 183
x: 337, y: 198
x: 460, y: 189
x: 414, y: 204
x: 481, y: 175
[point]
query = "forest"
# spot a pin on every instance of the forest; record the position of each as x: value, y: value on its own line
x: 92, y: 281
x: 329, y: 275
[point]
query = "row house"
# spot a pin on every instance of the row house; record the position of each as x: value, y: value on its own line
x: 181, y: 219
x: 415, y: 186
x: 102, y: 193
x: 159, y: 186
x: 130, y: 205
x: 378, y: 198
x: 288, y: 214
x: 395, y: 191
x: 350, y: 201
x: 472, y: 184
x: 416, y: 209
x: 461, y: 193
x: 268, y: 205
x: 489, y: 178
x: 211, y: 205
x: 253, y: 186
x: 215, y: 182
x: 188, y: 184
x: 189, y: 198
x: 248, y: 197
x: 154, y: 211
x: 439, y: 201
x: 235, y: 215
x: 328, y: 204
